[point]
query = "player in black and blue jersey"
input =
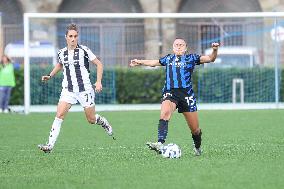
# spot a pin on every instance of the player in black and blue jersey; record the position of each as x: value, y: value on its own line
x: 178, y: 92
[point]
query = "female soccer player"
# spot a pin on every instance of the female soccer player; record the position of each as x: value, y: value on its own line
x: 178, y: 92
x: 76, y: 85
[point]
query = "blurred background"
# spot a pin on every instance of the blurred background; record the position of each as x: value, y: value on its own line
x: 249, y: 68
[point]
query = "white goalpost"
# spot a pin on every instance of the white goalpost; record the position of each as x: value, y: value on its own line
x: 199, y: 29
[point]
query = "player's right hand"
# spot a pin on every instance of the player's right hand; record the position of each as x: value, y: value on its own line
x: 45, y: 78
x: 133, y: 63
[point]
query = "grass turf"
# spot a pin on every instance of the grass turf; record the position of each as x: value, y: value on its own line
x: 242, y: 149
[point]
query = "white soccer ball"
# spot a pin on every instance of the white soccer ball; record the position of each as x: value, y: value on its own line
x: 171, y: 151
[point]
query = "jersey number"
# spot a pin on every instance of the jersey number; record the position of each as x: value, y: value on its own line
x: 189, y: 100
x: 87, y: 96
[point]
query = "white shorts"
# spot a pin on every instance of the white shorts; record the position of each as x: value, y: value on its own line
x: 86, y: 98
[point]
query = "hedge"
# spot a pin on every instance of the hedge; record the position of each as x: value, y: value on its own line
x: 216, y: 85
x: 139, y: 85
x: 49, y: 92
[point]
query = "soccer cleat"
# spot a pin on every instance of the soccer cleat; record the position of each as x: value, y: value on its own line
x: 197, y: 151
x: 157, y: 146
x: 45, y: 148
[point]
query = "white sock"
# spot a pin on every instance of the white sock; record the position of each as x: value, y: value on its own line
x: 54, y: 132
x: 97, y: 119
x: 100, y: 120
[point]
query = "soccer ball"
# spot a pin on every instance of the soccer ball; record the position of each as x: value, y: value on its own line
x: 171, y: 151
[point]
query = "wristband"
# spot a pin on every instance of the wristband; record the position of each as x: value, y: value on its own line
x: 49, y: 75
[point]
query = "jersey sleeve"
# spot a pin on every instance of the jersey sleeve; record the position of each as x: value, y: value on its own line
x: 163, y: 60
x: 90, y: 54
x: 196, y: 58
x: 59, y: 57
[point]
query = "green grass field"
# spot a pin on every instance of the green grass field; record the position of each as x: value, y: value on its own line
x: 242, y: 149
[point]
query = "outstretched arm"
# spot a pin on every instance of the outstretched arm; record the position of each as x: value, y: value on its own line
x: 212, y: 56
x: 56, y: 69
x: 151, y: 63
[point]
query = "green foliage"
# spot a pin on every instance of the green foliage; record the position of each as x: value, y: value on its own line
x: 282, y: 86
x: 258, y: 84
x: 17, y: 96
x: 44, y: 92
x: 108, y: 95
x: 49, y: 92
x: 139, y: 85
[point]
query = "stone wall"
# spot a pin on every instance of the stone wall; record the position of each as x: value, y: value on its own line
x: 156, y: 32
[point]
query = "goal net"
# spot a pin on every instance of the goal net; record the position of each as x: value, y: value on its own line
x: 247, y: 70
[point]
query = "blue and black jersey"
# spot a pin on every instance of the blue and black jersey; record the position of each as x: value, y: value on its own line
x: 179, y: 70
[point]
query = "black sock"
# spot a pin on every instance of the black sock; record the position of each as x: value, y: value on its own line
x: 197, y: 139
x: 162, y: 130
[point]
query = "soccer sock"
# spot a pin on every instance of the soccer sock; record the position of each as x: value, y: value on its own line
x: 162, y: 130
x: 54, y: 132
x: 100, y: 120
x: 197, y: 139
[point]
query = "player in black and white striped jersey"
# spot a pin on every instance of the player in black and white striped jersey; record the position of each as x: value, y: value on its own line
x: 76, y: 68
x: 76, y: 85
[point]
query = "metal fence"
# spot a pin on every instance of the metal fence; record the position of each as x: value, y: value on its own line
x: 228, y: 33
x: 12, y: 33
x: 118, y: 42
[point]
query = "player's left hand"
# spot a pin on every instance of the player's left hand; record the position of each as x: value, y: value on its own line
x: 215, y: 45
x: 45, y: 78
x: 98, y: 87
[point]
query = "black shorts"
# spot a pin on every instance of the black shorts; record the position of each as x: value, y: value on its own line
x: 183, y: 98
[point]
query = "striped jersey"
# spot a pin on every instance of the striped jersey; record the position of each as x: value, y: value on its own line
x: 76, y: 68
x: 179, y: 69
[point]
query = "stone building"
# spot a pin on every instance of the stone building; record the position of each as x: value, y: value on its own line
x: 155, y: 35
